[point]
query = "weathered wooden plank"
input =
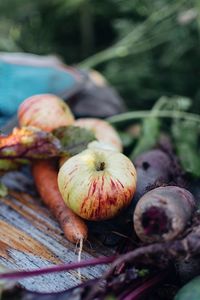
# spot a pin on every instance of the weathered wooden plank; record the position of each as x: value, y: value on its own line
x: 30, y: 238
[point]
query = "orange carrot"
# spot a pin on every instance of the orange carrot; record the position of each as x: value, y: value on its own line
x: 45, y: 176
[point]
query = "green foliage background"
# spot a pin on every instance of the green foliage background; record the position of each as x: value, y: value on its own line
x: 145, y: 48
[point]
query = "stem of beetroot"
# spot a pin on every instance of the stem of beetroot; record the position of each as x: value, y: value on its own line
x: 57, y: 268
x: 138, y: 292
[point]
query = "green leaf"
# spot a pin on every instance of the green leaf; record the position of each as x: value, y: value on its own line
x: 73, y: 139
x: 191, y: 290
x: 185, y: 135
x: 126, y: 138
x: 179, y: 103
x: 149, y: 137
x: 3, y: 190
x: 151, y: 126
x: 143, y: 272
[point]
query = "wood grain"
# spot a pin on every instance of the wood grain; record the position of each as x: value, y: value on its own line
x: 31, y: 238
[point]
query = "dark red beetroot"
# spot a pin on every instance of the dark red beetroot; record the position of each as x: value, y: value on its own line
x: 154, y: 168
x: 155, y: 221
x: 163, y: 213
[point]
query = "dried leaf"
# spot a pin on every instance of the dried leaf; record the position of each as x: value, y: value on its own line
x: 32, y: 143
x: 73, y: 139
x: 29, y: 142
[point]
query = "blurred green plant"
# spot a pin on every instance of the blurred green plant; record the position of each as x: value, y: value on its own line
x: 183, y: 128
x: 186, y: 136
x: 146, y: 49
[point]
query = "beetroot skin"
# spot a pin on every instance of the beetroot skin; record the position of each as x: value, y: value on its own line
x: 163, y: 213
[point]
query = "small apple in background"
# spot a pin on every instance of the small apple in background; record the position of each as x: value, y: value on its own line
x: 103, y: 131
x: 97, y: 183
x: 45, y: 111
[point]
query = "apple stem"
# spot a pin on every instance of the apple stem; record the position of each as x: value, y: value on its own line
x: 101, y: 166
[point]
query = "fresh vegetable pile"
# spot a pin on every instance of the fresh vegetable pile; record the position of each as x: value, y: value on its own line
x: 146, y: 194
